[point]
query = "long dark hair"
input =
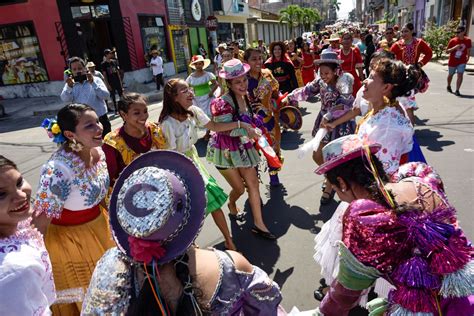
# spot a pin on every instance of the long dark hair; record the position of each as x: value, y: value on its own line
x: 234, y: 99
x: 357, y: 171
x: 170, y: 106
x: 144, y: 304
x: 403, y: 78
x: 69, y: 116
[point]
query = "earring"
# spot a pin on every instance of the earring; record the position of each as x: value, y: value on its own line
x: 343, y: 190
x: 75, y: 146
x: 386, y: 100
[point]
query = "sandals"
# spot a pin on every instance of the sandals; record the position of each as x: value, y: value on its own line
x: 326, y: 197
x: 239, y: 217
x: 319, y: 293
x: 263, y: 234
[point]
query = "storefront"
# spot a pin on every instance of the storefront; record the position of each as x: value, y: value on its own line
x: 195, y: 21
x: 180, y: 47
x: 232, y: 21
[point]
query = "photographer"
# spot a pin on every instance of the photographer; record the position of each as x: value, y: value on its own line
x: 83, y: 87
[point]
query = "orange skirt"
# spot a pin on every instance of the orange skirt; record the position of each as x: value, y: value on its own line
x: 74, y: 251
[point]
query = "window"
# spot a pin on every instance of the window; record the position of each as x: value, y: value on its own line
x: 153, y: 35
x: 20, y: 55
x: 89, y: 12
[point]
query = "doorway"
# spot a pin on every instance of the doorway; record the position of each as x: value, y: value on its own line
x: 96, y: 37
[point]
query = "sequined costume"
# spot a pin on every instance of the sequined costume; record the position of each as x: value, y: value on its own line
x: 26, y: 277
x: 284, y: 72
x: 261, y: 91
x: 232, y: 149
x: 335, y: 102
x: 237, y: 293
x: 69, y: 194
x: 181, y: 136
x: 418, y: 247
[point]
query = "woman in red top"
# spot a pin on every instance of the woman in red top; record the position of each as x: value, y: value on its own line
x: 308, y: 68
x: 352, y: 62
x: 295, y: 57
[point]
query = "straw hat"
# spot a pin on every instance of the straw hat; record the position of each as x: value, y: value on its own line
x: 334, y: 37
x: 197, y: 59
x: 90, y: 64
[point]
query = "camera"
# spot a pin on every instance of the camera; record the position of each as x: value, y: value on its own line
x: 80, y: 78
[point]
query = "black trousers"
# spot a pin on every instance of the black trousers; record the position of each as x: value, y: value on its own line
x: 104, y: 120
x: 115, y: 88
x: 159, y: 81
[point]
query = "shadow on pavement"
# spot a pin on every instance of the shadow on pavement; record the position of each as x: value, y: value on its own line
x: 11, y: 124
x: 430, y: 139
x: 291, y: 140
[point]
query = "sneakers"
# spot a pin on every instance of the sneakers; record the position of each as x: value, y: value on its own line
x: 457, y: 93
x: 449, y: 89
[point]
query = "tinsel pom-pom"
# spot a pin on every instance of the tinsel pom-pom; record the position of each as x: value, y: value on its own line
x: 459, y: 283
x: 453, y: 256
x: 397, y: 310
x: 416, y: 300
x: 414, y: 272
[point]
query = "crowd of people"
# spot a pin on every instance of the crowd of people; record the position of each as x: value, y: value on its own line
x: 112, y: 227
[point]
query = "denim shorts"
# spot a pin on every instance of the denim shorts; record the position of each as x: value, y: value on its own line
x: 459, y: 69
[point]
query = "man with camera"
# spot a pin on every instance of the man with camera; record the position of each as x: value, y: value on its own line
x: 82, y: 87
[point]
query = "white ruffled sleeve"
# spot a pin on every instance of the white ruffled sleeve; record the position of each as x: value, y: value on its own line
x: 200, y: 117
x: 168, y: 131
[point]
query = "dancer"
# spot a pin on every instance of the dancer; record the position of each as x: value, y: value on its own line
x: 180, y: 121
x: 405, y: 232
x: 26, y: 278
x: 281, y: 67
x: 136, y: 136
x: 234, y: 153
x: 262, y: 88
x: 73, y: 183
x: 409, y: 50
x: 295, y: 57
x: 335, y: 89
x: 308, y: 68
x: 145, y: 276
x: 352, y: 61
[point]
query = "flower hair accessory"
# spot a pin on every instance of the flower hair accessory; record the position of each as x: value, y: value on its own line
x: 145, y: 250
x: 54, y: 131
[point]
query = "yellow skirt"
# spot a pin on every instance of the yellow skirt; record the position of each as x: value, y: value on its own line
x: 74, y: 252
x: 299, y: 77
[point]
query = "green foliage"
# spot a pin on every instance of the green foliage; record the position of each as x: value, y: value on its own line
x: 439, y: 36
x: 335, y: 4
x: 295, y: 16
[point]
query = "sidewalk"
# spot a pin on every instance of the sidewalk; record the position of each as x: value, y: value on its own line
x: 22, y: 108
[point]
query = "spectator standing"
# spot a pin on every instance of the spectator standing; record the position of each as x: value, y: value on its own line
x: 369, y: 51
x: 91, y: 66
x: 238, y: 53
x: 202, y: 50
x: 218, y: 58
x: 82, y: 87
x: 111, y: 72
x: 389, y: 39
x: 156, y: 64
x: 459, y: 49
x: 261, y: 47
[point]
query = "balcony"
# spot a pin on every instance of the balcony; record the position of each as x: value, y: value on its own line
x: 231, y: 7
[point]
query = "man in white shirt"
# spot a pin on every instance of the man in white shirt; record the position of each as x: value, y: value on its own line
x: 156, y: 64
x: 218, y: 58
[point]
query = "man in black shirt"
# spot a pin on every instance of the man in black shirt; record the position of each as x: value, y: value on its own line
x: 111, y: 72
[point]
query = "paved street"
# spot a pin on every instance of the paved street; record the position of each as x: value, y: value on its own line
x: 445, y: 132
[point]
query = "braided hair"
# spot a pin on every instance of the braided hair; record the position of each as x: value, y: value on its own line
x: 404, y: 78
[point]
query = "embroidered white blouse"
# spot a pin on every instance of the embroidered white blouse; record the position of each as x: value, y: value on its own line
x: 181, y: 136
x: 393, y: 131
x: 65, y: 182
x: 26, y: 278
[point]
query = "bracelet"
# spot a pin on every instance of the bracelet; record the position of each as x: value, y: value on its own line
x: 238, y: 124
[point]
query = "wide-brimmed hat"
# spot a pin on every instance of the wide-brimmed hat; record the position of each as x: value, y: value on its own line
x: 342, y: 150
x: 90, y: 64
x: 233, y: 68
x: 334, y: 37
x: 157, y: 205
x: 328, y: 56
x: 197, y: 59
x: 221, y: 45
x: 291, y: 117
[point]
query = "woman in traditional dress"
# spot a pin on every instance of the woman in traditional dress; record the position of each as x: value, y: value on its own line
x: 405, y: 232
x: 352, y: 61
x: 26, y: 278
x: 411, y: 51
x: 308, y: 68
x: 295, y: 56
x: 144, y: 275
x: 233, y: 153
x: 73, y: 183
x: 281, y: 67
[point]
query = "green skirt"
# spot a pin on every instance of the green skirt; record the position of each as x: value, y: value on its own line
x: 216, y: 197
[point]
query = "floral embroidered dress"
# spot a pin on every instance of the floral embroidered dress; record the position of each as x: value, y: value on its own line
x: 284, y: 72
x: 419, y: 249
x: 202, y: 87
x: 335, y: 102
x: 69, y: 194
x: 26, y: 277
x: 232, y: 149
x: 237, y: 293
x: 181, y: 137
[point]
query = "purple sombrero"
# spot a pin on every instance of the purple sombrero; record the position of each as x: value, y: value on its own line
x: 159, y: 197
x: 291, y: 117
x: 342, y: 150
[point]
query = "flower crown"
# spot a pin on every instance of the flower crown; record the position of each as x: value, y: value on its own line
x: 54, y: 131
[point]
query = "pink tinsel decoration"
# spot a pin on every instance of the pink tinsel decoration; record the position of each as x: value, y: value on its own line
x: 453, y: 256
x: 145, y: 250
x: 415, y: 300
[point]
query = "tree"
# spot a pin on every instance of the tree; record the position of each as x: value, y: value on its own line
x: 335, y: 5
x: 352, y: 16
x: 389, y: 19
x: 310, y: 16
x: 292, y: 15
x: 438, y: 36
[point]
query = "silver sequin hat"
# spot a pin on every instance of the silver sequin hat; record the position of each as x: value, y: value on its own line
x: 159, y: 197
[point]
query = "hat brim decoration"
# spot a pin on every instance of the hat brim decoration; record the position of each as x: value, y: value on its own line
x: 206, y: 62
x: 193, y: 184
x: 240, y: 70
x: 329, y: 56
x: 328, y: 61
x: 291, y: 117
x: 349, y: 155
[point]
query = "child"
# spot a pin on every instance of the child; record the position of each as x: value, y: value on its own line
x: 26, y: 279
x: 180, y: 121
x: 203, y: 83
x: 335, y: 89
x: 136, y: 136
